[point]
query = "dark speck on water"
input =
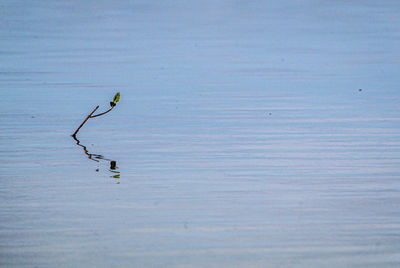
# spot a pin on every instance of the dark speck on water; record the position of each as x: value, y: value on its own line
x: 206, y: 182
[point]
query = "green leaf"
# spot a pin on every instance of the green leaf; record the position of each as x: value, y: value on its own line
x: 116, y: 98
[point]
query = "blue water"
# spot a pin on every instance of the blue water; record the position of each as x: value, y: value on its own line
x: 248, y: 134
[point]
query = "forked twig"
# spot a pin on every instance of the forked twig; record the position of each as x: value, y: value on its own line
x: 113, y: 104
x: 93, y: 116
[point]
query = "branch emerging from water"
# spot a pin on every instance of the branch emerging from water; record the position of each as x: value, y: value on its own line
x: 84, y: 121
x: 113, y: 103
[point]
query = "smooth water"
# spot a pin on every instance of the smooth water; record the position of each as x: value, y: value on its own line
x: 249, y: 134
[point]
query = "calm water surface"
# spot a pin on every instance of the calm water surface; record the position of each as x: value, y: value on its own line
x: 249, y: 134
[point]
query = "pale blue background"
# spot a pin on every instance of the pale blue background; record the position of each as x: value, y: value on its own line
x: 241, y: 137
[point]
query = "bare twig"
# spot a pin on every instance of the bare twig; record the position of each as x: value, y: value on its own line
x: 93, y: 116
x: 87, y: 118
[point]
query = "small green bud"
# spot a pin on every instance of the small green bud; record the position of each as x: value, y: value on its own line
x: 116, y: 98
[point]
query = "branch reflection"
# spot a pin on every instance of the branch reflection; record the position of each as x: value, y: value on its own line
x: 97, y: 157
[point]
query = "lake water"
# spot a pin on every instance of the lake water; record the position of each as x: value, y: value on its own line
x: 248, y: 134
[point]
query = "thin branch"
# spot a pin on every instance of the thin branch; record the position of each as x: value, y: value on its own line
x: 93, y: 116
x: 112, y: 103
x: 84, y: 121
